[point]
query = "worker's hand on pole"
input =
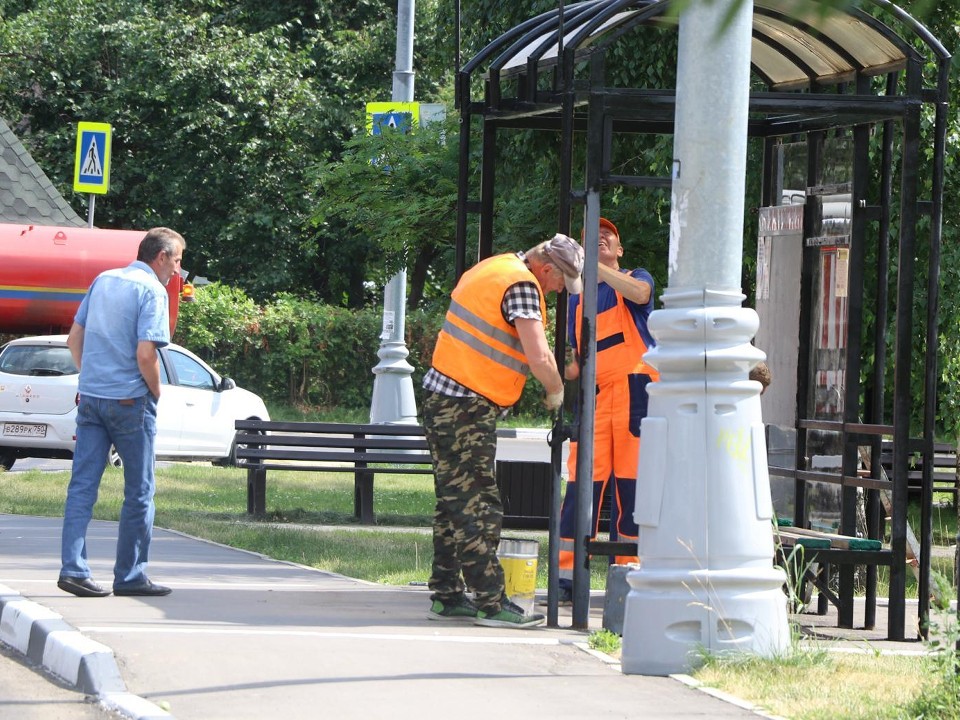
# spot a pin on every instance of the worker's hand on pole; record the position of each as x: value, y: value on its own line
x: 554, y: 401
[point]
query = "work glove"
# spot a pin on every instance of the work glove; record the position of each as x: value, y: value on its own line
x: 554, y: 401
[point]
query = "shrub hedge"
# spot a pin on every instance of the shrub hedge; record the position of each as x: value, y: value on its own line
x: 305, y: 353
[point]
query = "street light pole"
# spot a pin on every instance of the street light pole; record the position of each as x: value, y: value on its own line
x: 703, y: 504
x: 393, y: 400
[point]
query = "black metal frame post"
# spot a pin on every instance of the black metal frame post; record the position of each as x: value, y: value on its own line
x: 930, y: 368
x: 815, y: 141
x: 851, y: 402
x: 876, y: 411
x: 902, y: 401
x: 564, y: 84
x: 587, y: 346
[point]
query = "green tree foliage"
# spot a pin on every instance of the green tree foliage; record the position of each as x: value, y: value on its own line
x: 207, y: 126
x: 219, y: 111
x: 943, y: 20
x: 288, y: 349
x: 396, y: 195
x: 306, y: 353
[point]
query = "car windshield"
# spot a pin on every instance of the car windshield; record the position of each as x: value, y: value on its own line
x: 37, y: 360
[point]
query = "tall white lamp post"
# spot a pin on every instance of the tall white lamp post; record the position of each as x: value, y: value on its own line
x: 706, y: 579
x: 393, y: 398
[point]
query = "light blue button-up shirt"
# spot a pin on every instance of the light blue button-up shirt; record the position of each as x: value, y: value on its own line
x: 121, y: 308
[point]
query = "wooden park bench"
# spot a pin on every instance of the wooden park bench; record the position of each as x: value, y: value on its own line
x: 364, y: 450
x: 369, y: 450
x: 945, y: 477
x: 820, y: 552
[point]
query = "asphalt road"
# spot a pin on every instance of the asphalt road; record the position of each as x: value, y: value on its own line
x: 43, y: 464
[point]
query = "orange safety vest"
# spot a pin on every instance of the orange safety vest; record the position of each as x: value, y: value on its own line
x: 476, y: 346
x: 620, y: 347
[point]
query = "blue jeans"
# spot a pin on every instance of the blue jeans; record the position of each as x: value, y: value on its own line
x: 130, y: 426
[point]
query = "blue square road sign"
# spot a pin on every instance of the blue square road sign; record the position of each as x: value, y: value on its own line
x: 92, y: 162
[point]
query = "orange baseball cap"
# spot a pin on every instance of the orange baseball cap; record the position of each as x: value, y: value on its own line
x: 606, y: 223
x: 603, y: 223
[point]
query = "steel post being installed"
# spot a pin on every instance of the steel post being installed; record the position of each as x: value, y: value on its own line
x: 706, y: 579
x: 393, y: 399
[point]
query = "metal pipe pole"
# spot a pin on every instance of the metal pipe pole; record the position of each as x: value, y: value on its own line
x: 393, y: 399
x: 703, y: 504
x: 403, y: 74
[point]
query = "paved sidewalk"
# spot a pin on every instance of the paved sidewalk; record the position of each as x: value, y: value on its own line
x: 244, y: 636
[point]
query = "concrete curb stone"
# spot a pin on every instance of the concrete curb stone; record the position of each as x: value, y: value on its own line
x: 47, y: 640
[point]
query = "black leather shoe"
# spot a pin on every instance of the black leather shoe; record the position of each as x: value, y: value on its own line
x: 146, y: 588
x: 81, y: 587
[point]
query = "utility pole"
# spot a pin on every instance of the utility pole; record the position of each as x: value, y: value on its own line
x: 393, y: 400
x: 703, y: 504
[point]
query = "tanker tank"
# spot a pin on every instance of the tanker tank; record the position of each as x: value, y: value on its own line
x: 45, y: 271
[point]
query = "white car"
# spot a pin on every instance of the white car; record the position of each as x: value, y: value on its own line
x: 38, y: 404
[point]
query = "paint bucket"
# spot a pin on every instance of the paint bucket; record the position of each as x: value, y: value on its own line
x: 518, y: 558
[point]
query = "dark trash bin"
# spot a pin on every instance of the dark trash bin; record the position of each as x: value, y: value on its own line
x: 525, y: 492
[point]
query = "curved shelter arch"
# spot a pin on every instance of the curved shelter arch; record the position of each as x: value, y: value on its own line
x: 866, y: 85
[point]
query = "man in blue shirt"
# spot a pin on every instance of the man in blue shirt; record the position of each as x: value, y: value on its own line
x: 121, y: 322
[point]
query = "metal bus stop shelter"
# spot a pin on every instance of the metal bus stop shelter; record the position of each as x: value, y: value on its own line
x: 865, y: 78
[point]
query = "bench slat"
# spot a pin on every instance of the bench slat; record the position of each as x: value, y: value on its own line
x: 348, y: 443
x: 337, y: 456
x: 325, y: 428
x: 343, y: 468
x: 844, y: 542
x: 805, y: 541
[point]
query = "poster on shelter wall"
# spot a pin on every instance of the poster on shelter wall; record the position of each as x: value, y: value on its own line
x: 779, y: 221
x: 840, y: 288
x: 763, y: 267
x: 777, y: 293
x: 829, y: 341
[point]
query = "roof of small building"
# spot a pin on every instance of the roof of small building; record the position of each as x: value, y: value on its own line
x: 26, y: 194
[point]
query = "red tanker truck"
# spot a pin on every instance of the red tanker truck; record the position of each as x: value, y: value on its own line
x: 45, y: 271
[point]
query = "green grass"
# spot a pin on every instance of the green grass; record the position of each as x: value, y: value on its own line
x: 813, y: 684
x: 605, y: 641
x: 943, y: 520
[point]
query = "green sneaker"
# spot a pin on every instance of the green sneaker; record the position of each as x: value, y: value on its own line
x: 463, y: 610
x: 510, y: 616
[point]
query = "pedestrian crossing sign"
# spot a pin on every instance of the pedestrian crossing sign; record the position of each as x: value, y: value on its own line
x: 92, y: 163
x: 392, y: 116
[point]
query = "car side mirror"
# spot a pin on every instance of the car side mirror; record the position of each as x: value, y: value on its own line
x: 227, y: 384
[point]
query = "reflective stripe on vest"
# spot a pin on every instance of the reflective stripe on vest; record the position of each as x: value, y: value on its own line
x: 620, y: 347
x: 479, y: 345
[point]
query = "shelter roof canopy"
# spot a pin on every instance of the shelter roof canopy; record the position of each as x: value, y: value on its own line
x: 795, y: 43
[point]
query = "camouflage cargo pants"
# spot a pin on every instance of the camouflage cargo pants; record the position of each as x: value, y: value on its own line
x: 462, y: 435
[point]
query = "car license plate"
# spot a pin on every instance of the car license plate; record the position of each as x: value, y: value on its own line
x: 25, y: 429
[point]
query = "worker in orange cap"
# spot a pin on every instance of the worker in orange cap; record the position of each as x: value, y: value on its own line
x: 624, y: 302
